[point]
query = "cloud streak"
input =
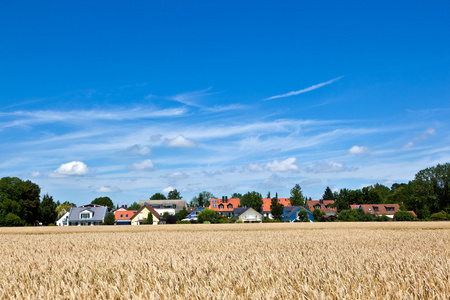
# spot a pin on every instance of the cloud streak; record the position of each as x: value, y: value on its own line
x: 305, y: 90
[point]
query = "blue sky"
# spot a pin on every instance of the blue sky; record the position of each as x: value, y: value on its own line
x: 129, y: 99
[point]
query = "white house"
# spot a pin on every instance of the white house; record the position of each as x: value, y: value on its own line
x: 63, y: 221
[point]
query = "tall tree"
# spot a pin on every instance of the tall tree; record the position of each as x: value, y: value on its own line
x: 19, y: 198
x: 134, y: 206
x: 158, y: 196
x: 297, y: 198
x: 104, y: 201
x: 63, y: 208
x: 253, y: 200
x: 236, y: 195
x: 328, y: 194
x: 276, y: 208
x: 47, y: 210
x: 202, y: 199
x: 174, y: 194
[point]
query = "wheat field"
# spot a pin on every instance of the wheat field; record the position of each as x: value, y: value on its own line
x: 230, y: 261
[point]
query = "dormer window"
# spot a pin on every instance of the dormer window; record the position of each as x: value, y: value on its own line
x: 229, y: 206
x: 389, y: 209
x: 221, y: 206
x: 85, y: 216
x: 375, y: 208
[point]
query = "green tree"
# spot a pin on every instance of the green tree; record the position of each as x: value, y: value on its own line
x: 182, y: 214
x: 439, y: 216
x: 276, y: 208
x: 404, y: 216
x: 109, y: 219
x: 13, y: 220
x: 328, y: 194
x: 134, y: 206
x: 253, y: 200
x: 303, y: 216
x: 343, y: 199
x: 63, y: 208
x: 317, y: 214
x: 149, y: 220
x: 202, y: 199
x: 383, y: 190
x: 208, y: 215
x: 21, y: 198
x: 236, y: 195
x: 297, y: 198
x: 104, y: 201
x: 174, y: 194
x: 47, y: 210
x: 158, y: 196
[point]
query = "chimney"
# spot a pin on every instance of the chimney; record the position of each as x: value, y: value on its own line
x: 223, y: 198
x: 321, y: 201
x: 126, y: 206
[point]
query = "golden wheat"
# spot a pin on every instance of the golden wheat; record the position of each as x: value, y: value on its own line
x: 233, y: 261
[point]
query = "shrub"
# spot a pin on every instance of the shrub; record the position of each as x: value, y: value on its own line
x: 383, y: 218
x: 439, y: 216
x: 404, y: 216
x: 208, y: 215
x: 109, y: 219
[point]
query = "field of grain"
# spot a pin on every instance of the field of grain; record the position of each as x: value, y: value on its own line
x: 233, y: 261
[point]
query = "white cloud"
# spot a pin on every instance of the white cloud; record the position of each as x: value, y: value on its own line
x: 138, y: 150
x: 329, y: 167
x: 107, y: 189
x: 143, y: 165
x: 282, y: 166
x: 408, y: 145
x: 425, y: 135
x: 74, y: 168
x: 179, y: 141
x: 358, y: 150
x: 254, y: 167
x: 305, y: 90
x: 167, y: 190
x: 189, y: 98
x: 35, y: 174
x: 177, y: 175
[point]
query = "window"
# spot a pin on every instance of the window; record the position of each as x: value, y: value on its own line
x: 85, y: 216
x: 229, y: 206
x: 214, y: 205
x: 221, y: 206
x: 375, y: 208
x: 389, y: 209
x: 122, y: 216
x: 214, y: 201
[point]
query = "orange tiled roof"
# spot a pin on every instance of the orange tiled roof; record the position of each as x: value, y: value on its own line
x: 323, y: 205
x: 267, y: 202
x: 226, y: 205
x: 123, y: 214
x: 377, y: 209
x: 411, y: 211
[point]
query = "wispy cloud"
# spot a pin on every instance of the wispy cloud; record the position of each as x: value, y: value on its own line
x: 189, y: 98
x: 425, y: 135
x: 305, y: 90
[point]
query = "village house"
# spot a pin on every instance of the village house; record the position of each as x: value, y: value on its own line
x: 142, y: 213
x: 247, y: 215
x: 90, y: 215
x: 325, y: 206
x: 378, y: 209
x: 267, y: 202
x: 193, y: 213
x: 63, y: 221
x: 224, y: 206
x: 123, y: 216
x: 290, y: 214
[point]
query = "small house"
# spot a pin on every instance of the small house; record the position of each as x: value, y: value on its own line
x: 141, y: 215
x: 247, y: 215
x: 87, y: 215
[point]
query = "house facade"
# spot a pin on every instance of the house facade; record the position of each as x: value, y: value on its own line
x: 63, y: 221
x: 267, y: 202
x: 290, y: 214
x: 141, y: 215
x: 325, y: 206
x: 87, y: 215
x: 247, y: 215
x: 378, y: 209
x: 170, y: 206
x: 123, y: 216
x: 194, y: 213
x: 224, y: 206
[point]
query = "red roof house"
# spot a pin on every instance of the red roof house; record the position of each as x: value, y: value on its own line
x: 378, y: 209
x: 323, y: 205
x: 224, y: 206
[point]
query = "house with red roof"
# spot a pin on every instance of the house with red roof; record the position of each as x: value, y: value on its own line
x: 267, y: 202
x: 123, y: 216
x: 224, y: 206
x: 378, y: 209
x: 324, y: 206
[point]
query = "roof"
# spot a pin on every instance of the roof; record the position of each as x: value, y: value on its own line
x: 267, y: 202
x: 239, y: 211
x: 124, y: 214
x: 411, y: 211
x: 178, y: 203
x: 291, y: 210
x: 99, y: 213
x: 151, y: 209
x: 225, y: 202
x: 377, y: 209
x: 323, y: 205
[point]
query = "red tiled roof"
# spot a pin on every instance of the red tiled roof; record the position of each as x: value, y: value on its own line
x: 323, y: 205
x: 216, y: 206
x: 123, y: 214
x: 267, y: 202
x: 377, y: 209
x: 411, y: 211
